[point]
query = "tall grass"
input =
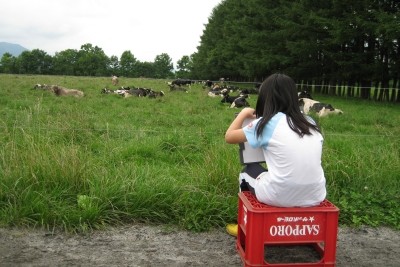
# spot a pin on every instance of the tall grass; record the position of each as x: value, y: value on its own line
x: 103, y: 159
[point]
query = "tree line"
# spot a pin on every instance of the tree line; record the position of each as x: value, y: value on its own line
x: 329, y: 43
x: 90, y: 60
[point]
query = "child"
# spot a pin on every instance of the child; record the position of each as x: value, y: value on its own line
x: 292, y: 147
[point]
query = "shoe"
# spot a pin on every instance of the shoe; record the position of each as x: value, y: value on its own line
x: 232, y: 229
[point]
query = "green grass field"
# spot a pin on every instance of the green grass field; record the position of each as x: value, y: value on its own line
x: 85, y: 163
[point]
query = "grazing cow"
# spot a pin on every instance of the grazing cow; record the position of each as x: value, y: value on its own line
x: 240, y: 102
x: 304, y: 94
x: 114, y: 80
x: 61, y: 91
x: 321, y: 109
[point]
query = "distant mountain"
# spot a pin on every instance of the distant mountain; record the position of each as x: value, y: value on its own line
x: 13, y: 49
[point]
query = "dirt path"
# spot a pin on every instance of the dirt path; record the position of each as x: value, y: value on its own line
x: 140, y: 245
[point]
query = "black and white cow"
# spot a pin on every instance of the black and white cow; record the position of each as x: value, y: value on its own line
x: 208, y: 83
x: 43, y: 86
x: 321, y: 109
x: 216, y: 91
x: 240, y: 102
x: 226, y: 98
x: 154, y: 94
x: 304, y: 94
x: 121, y: 91
x: 180, y: 82
x: 105, y: 90
x: 139, y: 92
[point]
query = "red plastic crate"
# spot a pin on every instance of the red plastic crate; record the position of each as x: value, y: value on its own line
x: 262, y: 227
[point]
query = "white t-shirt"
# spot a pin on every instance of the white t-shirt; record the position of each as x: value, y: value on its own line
x: 295, y: 177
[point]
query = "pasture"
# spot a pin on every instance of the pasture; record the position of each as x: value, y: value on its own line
x: 85, y: 163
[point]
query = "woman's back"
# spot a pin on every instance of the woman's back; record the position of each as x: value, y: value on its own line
x: 295, y: 176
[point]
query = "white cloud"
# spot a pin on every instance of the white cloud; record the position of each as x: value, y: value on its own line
x: 146, y: 28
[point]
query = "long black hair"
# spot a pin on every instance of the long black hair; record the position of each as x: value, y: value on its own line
x: 278, y: 93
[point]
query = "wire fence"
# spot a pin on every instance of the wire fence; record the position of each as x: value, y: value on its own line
x: 376, y: 93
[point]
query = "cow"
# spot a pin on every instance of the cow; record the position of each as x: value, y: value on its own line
x: 120, y: 91
x: 105, y: 90
x: 208, y: 83
x: 304, y: 94
x: 215, y: 91
x: 143, y: 92
x: 40, y: 86
x: 43, y: 86
x: 226, y: 98
x: 61, y: 91
x: 139, y: 92
x: 321, y: 109
x: 180, y: 82
x: 154, y: 94
x: 114, y: 80
x: 240, y: 102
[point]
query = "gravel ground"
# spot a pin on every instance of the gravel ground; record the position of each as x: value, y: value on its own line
x: 142, y: 245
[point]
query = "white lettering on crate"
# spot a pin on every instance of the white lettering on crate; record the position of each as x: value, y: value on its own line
x: 296, y: 219
x: 294, y: 230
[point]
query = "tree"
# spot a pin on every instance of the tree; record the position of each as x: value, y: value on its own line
x: 92, y: 61
x: 8, y: 63
x: 388, y: 36
x: 184, y: 67
x: 114, y: 67
x: 65, y: 62
x: 128, y: 64
x: 145, y: 69
x: 163, y: 66
x: 34, y: 62
x: 210, y: 60
x: 238, y: 41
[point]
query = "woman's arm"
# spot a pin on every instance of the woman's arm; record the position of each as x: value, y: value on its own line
x: 235, y: 133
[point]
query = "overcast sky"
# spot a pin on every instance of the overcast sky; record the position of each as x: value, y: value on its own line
x: 145, y: 27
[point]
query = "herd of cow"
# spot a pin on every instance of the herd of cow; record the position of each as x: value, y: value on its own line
x: 238, y: 100
x: 306, y: 102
